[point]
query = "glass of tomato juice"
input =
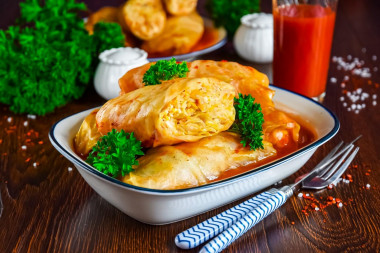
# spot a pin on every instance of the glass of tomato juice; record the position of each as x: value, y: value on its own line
x: 303, y: 33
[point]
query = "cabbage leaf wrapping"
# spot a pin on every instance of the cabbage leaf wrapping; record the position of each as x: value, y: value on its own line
x: 192, y: 164
x: 178, y: 110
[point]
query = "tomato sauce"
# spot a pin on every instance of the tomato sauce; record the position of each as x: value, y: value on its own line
x: 306, y: 136
x: 302, y: 44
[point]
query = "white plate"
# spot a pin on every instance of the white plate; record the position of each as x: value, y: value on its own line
x: 166, y: 206
x: 220, y: 41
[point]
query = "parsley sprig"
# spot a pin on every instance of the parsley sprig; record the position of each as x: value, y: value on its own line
x: 165, y: 70
x: 248, y: 121
x: 227, y: 13
x: 115, y: 153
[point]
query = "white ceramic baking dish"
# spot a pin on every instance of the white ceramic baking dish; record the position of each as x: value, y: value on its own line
x: 166, y: 206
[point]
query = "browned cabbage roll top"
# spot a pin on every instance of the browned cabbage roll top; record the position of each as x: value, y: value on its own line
x: 192, y: 164
x: 179, y: 110
x: 245, y: 79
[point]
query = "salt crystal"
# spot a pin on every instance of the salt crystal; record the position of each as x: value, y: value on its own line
x: 341, y: 98
x: 316, y: 208
x: 31, y: 116
x: 356, y: 111
x: 346, y: 78
x: 343, y: 85
x: 344, y: 104
x: 334, y: 58
x: 69, y: 169
x: 307, y: 194
x: 25, y: 123
x: 374, y: 103
x: 359, y: 107
x: 374, y: 96
x: 333, y: 80
x: 363, y: 105
x: 9, y: 119
x: 340, y: 204
x: 349, y: 93
x: 349, y: 109
x: 349, y: 57
x: 364, y: 49
x: 359, y: 90
x: 35, y: 165
x: 365, y: 75
x: 374, y: 57
x: 300, y: 195
x: 353, y: 106
x: 23, y: 147
x: 368, y: 186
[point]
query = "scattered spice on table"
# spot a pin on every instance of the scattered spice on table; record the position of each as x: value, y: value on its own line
x: 358, y: 90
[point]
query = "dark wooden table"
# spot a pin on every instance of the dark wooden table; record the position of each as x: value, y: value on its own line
x: 49, y: 208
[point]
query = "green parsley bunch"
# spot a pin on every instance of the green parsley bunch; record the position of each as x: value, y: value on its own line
x: 164, y: 70
x: 227, y: 13
x: 115, y: 153
x: 50, y: 59
x: 248, y: 121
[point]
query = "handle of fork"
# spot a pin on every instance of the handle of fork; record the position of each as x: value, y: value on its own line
x: 208, y: 229
x: 247, y: 222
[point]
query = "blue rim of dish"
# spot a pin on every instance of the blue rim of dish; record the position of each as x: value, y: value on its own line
x: 264, y: 167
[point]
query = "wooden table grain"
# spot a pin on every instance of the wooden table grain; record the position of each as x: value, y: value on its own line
x: 48, y: 207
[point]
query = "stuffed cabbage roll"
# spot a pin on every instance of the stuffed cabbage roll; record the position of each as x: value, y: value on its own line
x: 180, y: 7
x: 279, y: 128
x: 144, y: 18
x: 88, y: 134
x: 180, y: 34
x: 192, y: 164
x: 178, y: 110
x: 246, y: 80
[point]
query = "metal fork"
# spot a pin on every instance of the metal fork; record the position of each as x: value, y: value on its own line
x: 236, y: 221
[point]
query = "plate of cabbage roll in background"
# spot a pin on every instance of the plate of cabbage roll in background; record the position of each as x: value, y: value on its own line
x: 192, y: 159
x: 163, y: 28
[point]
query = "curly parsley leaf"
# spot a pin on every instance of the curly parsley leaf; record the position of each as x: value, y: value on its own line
x: 248, y: 121
x: 165, y: 70
x: 115, y: 153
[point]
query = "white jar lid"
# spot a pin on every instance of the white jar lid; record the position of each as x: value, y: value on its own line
x: 123, y: 56
x: 258, y: 20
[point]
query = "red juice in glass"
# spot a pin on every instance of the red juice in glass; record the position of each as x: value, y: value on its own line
x: 302, y: 43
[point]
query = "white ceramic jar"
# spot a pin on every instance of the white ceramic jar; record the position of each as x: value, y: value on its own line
x: 253, y: 39
x: 114, y: 63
